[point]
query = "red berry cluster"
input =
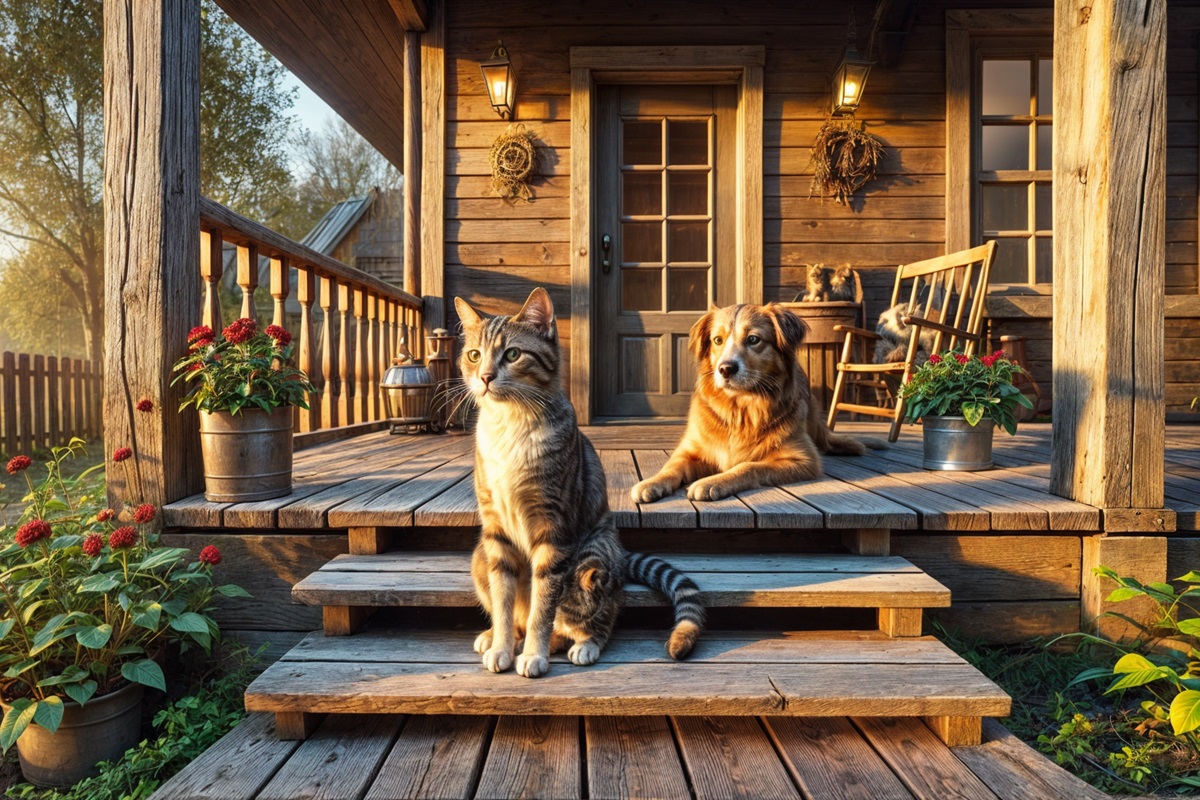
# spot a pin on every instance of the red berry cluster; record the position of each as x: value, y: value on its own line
x: 210, y: 555
x: 33, y: 531
x: 200, y: 336
x: 280, y: 335
x: 93, y: 544
x: 145, y: 405
x: 105, y: 515
x: 18, y: 464
x: 125, y: 536
x: 144, y: 513
x: 122, y: 453
x: 240, y: 331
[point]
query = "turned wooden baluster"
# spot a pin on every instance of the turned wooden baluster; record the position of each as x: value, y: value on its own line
x: 305, y: 294
x: 210, y: 271
x: 373, y: 357
x: 345, y: 361
x: 247, y: 277
x: 280, y: 289
x: 389, y: 331
x: 360, y: 354
x: 329, y: 406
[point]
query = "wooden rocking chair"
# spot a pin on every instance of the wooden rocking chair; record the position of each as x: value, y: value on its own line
x: 944, y: 311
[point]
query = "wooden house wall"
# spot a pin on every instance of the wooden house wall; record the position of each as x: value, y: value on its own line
x: 497, y: 252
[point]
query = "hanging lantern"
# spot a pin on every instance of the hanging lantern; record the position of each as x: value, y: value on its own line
x: 408, y: 394
x: 501, y: 82
x: 849, y: 81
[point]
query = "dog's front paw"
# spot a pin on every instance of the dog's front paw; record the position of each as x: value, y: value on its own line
x: 584, y: 654
x: 498, y: 660
x: 708, y: 489
x: 532, y: 666
x: 650, y: 490
x: 483, y: 642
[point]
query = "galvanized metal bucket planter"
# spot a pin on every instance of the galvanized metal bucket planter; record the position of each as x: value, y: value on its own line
x: 952, y: 443
x: 100, y: 731
x: 247, y: 456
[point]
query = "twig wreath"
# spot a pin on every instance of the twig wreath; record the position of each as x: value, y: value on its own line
x: 844, y: 158
x: 514, y: 163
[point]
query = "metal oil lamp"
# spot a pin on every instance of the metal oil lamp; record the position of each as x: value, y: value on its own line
x: 408, y: 391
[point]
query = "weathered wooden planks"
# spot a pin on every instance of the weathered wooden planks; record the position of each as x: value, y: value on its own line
x: 927, y: 770
x: 434, y: 757
x: 633, y: 757
x: 533, y: 756
x: 828, y: 758
x: 730, y: 757
x: 338, y: 761
x: 1013, y: 770
x: 236, y: 767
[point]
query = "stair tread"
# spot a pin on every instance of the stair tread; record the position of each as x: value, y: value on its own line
x: 781, y: 581
x: 733, y: 673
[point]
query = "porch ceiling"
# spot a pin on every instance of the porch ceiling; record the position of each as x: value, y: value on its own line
x: 349, y: 52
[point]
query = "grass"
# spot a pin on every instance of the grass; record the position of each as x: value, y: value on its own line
x: 13, y: 488
x: 1107, y: 740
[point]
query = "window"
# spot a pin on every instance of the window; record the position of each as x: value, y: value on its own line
x: 1012, y: 122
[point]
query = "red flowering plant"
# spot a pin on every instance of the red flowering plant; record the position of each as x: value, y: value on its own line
x: 90, y: 597
x: 974, y: 387
x: 241, y: 367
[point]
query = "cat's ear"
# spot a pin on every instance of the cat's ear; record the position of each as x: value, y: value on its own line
x: 469, y: 316
x: 538, y: 311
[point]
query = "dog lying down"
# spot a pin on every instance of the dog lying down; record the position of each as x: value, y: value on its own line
x: 753, y: 421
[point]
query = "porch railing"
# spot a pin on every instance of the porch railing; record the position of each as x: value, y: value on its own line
x: 349, y: 323
x: 44, y: 401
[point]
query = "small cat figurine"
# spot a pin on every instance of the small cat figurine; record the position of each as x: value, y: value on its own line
x: 841, y: 284
x: 816, y: 285
x: 548, y: 566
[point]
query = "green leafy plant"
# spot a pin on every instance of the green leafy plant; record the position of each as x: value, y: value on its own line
x: 89, y: 597
x: 242, y: 367
x: 955, y: 384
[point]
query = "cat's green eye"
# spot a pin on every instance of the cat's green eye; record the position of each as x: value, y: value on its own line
x: 718, y: 341
x: 473, y: 356
x: 752, y: 340
x: 512, y: 354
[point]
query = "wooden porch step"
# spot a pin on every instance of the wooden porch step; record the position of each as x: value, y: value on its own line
x: 770, y: 581
x: 732, y: 673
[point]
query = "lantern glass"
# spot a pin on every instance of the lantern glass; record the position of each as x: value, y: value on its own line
x: 849, y: 82
x: 501, y: 82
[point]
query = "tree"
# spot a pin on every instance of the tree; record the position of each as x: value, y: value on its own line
x: 51, y: 142
x: 340, y: 164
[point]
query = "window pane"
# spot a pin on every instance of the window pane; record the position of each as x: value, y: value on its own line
x: 1005, y: 147
x: 1045, y: 259
x: 641, y: 289
x: 1005, y: 208
x: 1045, y: 152
x: 1044, y: 206
x: 642, y: 142
x: 687, y: 289
x: 641, y: 193
x: 641, y: 242
x: 687, y: 193
x: 687, y: 241
x: 1006, y: 87
x: 1045, y: 86
x: 688, y: 142
x: 1012, y: 261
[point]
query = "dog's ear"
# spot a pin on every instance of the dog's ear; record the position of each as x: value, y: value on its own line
x: 469, y: 316
x: 538, y: 311
x: 789, y: 328
x: 698, y: 339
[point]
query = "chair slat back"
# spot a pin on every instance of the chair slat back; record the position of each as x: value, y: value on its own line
x: 949, y: 290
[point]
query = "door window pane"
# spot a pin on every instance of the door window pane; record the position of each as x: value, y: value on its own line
x: 1006, y: 87
x: 687, y: 193
x: 1045, y: 260
x: 687, y: 289
x: 642, y: 142
x: 1005, y: 208
x: 688, y: 142
x: 641, y: 242
x: 1045, y: 152
x: 1045, y: 98
x: 1005, y: 147
x: 687, y: 241
x: 641, y: 289
x: 641, y: 193
x: 1012, y: 261
x: 1044, y: 206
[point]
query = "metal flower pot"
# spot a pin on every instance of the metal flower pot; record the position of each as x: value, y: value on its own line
x: 100, y: 731
x: 247, y: 456
x: 952, y: 443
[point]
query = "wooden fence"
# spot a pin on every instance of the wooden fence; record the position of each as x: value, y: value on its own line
x: 361, y: 318
x: 45, y: 400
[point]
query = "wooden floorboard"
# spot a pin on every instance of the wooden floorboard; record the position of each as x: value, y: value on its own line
x: 620, y: 757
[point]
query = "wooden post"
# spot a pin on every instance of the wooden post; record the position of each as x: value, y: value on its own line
x: 1143, y: 558
x: 412, y: 162
x: 433, y: 165
x: 151, y: 242
x: 1109, y: 256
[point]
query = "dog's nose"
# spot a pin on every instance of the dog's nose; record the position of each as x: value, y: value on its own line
x: 727, y: 369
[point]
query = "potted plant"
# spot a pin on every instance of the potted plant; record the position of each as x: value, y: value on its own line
x: 960, y: 399
x: 89, y: 602
x: 244, y: 386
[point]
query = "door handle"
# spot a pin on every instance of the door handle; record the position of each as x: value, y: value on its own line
x: 606, y: 246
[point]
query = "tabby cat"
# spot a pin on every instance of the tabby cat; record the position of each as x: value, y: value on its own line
x: 548, y: 567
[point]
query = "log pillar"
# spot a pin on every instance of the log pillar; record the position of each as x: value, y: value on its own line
x: 412, y: 163
x: 1109, y: 258
x: 151, y: 242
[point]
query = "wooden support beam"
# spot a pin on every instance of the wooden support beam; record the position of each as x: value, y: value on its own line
x: 433, y: 166
x: 868, y: 541
x: 151, y: 242
x: 1109, y: 252
x: 900, y: 622
x: 412, y: 14
x: 368, y: 541
x: 957, y: 731
x: 292, y: 726
x: 412, y: 163
x: 344, y: 620
x: 1140, y: 557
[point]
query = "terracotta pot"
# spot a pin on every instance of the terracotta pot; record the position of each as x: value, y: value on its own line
x: 247, y: 456
x: 102, y: 730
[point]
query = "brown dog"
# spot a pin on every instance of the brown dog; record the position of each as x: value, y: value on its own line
x: 753, y: 421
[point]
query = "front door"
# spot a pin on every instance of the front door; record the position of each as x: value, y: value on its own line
x: 666, y: 207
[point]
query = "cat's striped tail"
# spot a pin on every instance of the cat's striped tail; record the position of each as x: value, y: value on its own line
x: 652, y: 571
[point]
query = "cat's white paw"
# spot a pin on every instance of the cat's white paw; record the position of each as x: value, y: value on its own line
x: 498, y: 660
x: 584, y: 654
x: 532, y: 666
x: 483, y: 642
x: 708, y: 489
x: 649, y: 490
